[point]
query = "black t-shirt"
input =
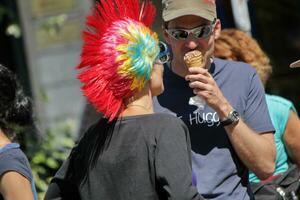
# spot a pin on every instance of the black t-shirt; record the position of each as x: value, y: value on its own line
x: 145, y: 157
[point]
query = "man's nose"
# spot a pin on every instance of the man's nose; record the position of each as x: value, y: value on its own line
x: 191, y: 42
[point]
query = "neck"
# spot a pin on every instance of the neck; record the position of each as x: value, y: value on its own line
x: 140, y: 103
x: 4, y: 140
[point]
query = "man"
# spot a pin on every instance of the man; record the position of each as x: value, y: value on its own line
x: 233, y: 132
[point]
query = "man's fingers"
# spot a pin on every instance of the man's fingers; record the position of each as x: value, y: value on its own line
x: 198, y: 70
x: 201, y: 86
x: 202, y: 93
x: 197, y: 77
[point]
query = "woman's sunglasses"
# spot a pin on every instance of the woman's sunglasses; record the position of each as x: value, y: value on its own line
x: 164, y: 55
x: 198, y: 32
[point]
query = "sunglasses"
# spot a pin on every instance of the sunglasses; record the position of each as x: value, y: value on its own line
x: 164, y: 54
x: 198, y: 32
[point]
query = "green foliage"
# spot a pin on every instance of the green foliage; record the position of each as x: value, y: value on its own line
x: 12, y: 28
x: 53, y: 25
x: 47, y: 155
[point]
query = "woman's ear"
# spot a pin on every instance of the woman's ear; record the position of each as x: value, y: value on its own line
x: 156, y: 80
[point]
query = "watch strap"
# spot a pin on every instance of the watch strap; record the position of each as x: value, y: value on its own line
x: 226, y: 122
x: 232, y: 118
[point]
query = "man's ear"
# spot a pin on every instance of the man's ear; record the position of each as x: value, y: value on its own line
x: 165, y: 34
x: 217, y: 29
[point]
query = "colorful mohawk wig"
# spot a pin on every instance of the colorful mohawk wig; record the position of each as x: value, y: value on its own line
x: 118, y: 53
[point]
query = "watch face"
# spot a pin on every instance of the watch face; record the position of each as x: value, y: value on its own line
x: 235, y: 116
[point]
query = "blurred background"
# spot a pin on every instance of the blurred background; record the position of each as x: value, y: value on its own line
x: 40, y: 40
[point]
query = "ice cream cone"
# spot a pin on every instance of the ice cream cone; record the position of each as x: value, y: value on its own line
x: 193, y: 59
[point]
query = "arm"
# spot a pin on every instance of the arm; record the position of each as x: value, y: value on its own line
x: 257, y: 151
x: 14, y: 186
x: 173, y: 164
x: 291, y: 137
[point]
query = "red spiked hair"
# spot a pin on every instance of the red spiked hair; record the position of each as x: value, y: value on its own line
x: 102, y: 57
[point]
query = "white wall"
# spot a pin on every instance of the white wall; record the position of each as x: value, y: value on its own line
x: 52, y: 35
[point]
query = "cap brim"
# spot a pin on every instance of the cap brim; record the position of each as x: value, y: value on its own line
x: 295, y: 64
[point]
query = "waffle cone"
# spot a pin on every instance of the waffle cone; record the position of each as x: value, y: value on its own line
x: 193, y: 59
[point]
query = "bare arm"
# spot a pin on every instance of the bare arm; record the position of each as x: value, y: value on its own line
x: 14, y: 186
x: 291, y: 137
x: 257, y: 151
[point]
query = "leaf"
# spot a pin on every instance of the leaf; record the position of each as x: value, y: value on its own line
x: 52, y: 163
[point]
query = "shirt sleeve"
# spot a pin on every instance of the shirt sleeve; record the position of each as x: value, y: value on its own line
x: 173, y: 163
x: 256, y: 114
x: 279, y: 108
x: 290, y: 107
x: 60, y: 188
x: 15, y: 160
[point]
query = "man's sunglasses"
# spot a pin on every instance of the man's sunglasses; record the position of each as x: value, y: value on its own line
x: 198, y: 32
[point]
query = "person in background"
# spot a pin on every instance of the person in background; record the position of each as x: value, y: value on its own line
x: 233, y: 131
x: 295, y: 64
x: 16, y: 181
x: 236, y: 45
x: 131, y: 153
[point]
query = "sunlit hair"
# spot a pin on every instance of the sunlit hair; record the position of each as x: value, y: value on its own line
x: 118, y: 53
x: 236, y: 45
x: 15, y: 106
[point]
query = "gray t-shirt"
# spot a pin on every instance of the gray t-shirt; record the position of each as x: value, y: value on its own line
x: 220, y: 173
x: 13, y: 159
x: 138, y: 162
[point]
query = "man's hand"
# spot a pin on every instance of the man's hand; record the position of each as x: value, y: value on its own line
x: 206, y: 87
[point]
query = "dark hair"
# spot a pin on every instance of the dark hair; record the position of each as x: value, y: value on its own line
x: 87, y: 151
x: 15, y: 107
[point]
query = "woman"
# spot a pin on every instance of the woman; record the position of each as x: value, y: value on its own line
x: 236, y: 45
x: 16, y: 180
x: 131, y: 153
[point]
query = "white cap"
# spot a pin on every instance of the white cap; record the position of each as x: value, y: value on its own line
x: 295, y: 64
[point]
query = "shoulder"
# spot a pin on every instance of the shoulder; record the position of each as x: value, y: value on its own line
x: 63, y: 170
x: 167, y: 119
x: 163, y: 122
x: 15, y: 160
x: 169, y: 125
x: 279, y: 102
x: 232, y: 72
x: 163, y: 118
x: 12, y: 155
x: 241, y: 67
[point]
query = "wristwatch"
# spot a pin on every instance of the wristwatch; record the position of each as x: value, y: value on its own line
x: 232, y: 118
